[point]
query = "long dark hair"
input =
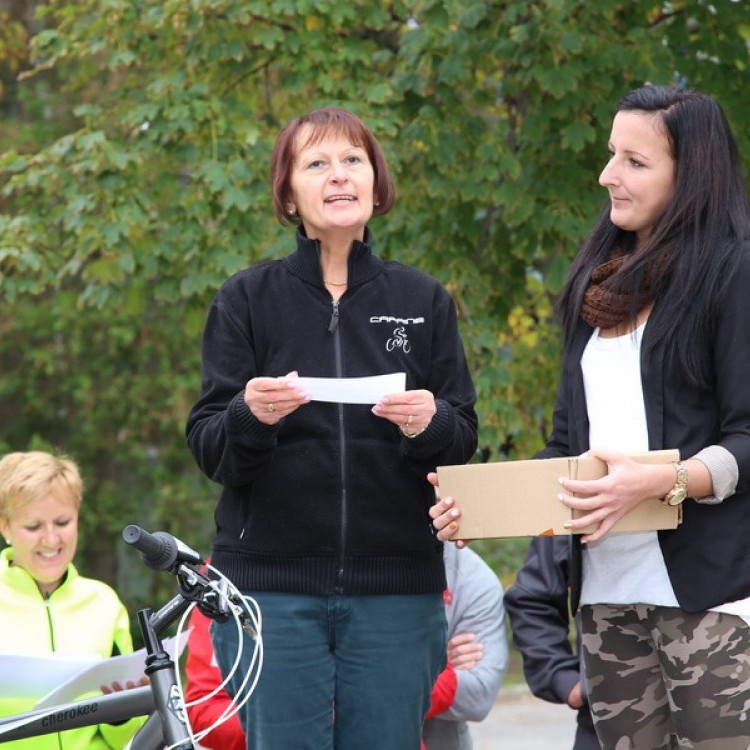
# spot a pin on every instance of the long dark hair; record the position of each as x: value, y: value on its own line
x: 697, y: 239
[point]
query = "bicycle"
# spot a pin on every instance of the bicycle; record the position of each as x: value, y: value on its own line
x: 167, y: 726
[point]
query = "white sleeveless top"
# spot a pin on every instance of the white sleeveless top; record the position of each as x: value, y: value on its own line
x: 624, y: 567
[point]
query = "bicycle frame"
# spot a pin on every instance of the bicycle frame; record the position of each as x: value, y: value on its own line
x: 102, y: 709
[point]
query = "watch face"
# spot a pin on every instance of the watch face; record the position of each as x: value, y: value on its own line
x: 676, y: 496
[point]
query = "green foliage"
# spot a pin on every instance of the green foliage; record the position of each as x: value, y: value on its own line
x: 134, y: 179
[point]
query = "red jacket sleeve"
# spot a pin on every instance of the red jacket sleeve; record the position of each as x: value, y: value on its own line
x: 443, y: 692
x: 202, y: 677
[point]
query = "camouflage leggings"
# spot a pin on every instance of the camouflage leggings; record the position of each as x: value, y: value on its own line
x: 659, y: 678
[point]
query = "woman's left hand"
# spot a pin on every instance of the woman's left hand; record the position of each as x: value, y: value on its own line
x: 411, y: 411
x: 606, y: 500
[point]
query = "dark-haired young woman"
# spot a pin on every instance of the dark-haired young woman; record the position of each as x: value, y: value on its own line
x: 656, y: 315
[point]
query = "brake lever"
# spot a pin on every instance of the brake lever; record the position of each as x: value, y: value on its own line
x: 215, y: 601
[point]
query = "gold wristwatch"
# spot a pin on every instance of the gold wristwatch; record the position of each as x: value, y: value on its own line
x: 679, y: 492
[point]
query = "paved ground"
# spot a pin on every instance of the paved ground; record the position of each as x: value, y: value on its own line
x: 520, y: 721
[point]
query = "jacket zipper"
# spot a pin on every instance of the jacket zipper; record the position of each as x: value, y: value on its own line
x: 333, y: 327
x: 334, y: 322
x: 52, y: 643
x: 49, y: 623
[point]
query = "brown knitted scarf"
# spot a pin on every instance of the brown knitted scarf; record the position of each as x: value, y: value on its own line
x: 605, y: 308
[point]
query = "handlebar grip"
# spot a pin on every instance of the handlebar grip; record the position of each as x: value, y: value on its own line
x: 159, y: 551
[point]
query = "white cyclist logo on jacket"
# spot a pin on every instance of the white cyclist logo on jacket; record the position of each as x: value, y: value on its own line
x: 398, y: 341
x: 399, y: 338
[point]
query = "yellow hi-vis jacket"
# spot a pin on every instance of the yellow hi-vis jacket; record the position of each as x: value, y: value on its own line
x: 82, y: 616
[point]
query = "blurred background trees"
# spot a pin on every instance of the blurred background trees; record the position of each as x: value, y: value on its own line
x: 134, y: 146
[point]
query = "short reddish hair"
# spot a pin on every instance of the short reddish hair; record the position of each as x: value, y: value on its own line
x: 324, y: 122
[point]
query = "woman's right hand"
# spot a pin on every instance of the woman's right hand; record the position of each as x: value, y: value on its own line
x: 272, y: 399
x: 575, y: 697
x: 465, y: 651
x: 444, y: 513
x: 117, y: 687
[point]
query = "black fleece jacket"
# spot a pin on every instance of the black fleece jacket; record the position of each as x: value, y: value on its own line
x: 332, y: 499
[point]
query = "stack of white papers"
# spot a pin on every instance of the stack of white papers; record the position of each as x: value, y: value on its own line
x: 61, y: 678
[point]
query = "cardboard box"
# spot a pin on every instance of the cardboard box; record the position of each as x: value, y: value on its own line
x: 519, y: 498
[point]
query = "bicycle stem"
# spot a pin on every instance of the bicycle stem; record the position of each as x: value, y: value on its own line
x: 161, y: 671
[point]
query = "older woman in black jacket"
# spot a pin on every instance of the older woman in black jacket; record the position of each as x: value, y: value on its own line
x: 323, y: 516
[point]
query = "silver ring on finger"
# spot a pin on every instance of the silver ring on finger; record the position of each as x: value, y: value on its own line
x: 271, y: 407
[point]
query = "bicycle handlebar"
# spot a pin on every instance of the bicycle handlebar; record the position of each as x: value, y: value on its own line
x: 160, y: 551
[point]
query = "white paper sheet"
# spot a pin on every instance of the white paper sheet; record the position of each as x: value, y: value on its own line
x: 95, y: 672
x: 122, y: 669
x: 23, y: 676
x: 367, y: 390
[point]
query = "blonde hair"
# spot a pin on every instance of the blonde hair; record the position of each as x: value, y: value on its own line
x: 28, y: 476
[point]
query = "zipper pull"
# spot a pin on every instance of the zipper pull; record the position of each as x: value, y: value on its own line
x: 334, y: 318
